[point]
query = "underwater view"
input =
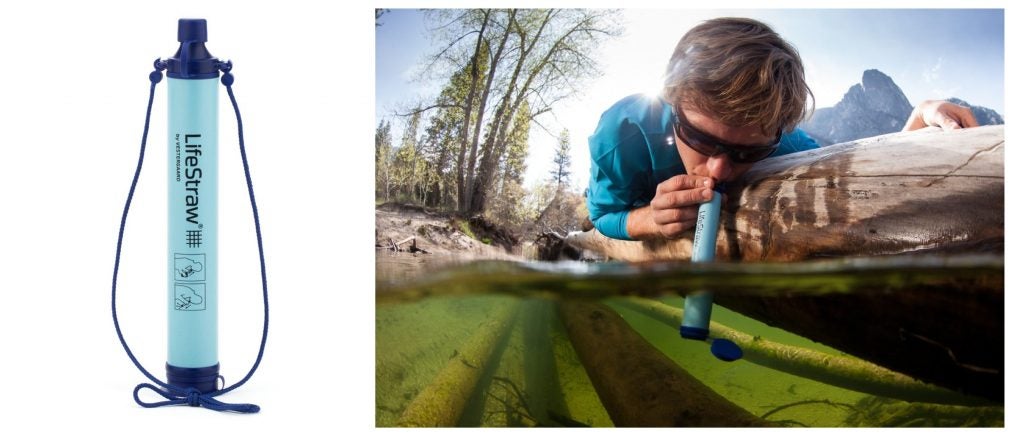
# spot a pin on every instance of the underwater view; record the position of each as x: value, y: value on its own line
x: 575, y: 344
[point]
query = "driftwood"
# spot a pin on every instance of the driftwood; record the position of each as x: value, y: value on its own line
x: 838, y: 370
x: 639, y: 385
x: 925, y: 190
x: 397, y: 246
x: 442, y: 402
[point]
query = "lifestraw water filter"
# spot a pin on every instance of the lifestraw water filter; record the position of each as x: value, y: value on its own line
x: 192, y: 211
x: 193, y: 367
x: 697, y: 308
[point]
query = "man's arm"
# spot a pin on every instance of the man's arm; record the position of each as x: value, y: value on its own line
x: 942, y: 114
x: 670, y: 214
x: 640, y: 224
x: 673, y: 210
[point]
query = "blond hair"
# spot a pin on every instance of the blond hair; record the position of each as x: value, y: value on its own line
x: 741, y: 72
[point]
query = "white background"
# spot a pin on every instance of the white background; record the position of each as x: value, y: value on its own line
x: 73, y: 93
x: 73, y: 86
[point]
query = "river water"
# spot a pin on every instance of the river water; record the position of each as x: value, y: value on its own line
x: 512, y: 344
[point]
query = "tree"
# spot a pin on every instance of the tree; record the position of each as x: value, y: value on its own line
x: 563, y: 161
x: 552, y: 58
x: 445, y: 136
x: 508, y: 205
x: 560, y: 213
x: 383, y: 150
x: 505, y: 68
x: 408, y: 167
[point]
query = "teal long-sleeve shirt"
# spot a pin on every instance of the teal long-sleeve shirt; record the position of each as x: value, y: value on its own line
x: 632, y: 151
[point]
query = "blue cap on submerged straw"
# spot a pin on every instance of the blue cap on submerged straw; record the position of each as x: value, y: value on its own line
x: 726, y: 350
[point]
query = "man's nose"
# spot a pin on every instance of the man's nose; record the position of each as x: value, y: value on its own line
x: 719, y: 167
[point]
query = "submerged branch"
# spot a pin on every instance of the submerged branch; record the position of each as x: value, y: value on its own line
x: 443, y: 401
x: 838, y: 370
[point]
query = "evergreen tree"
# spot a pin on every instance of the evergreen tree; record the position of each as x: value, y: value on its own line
x: 563, y: 161
x: 508, y: 204
x: 408, y: 167
x: 383, y: 154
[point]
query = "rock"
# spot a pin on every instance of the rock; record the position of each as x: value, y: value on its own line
x: 876, y: 106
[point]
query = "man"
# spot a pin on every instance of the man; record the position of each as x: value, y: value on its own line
x: 734, y: 93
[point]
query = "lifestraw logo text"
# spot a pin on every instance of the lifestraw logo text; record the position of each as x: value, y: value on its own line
x: 193, y: 176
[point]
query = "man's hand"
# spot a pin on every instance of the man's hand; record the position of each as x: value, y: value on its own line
x: 943, y: 114
x: 673, y: 210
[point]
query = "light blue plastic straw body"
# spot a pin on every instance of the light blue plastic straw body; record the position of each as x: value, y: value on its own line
x: 192, y: 223
x: 697, y: 309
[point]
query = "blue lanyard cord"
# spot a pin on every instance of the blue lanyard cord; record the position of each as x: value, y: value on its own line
x: 177, y: 395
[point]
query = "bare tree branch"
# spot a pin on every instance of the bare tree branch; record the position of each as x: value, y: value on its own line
x: 424, y: 109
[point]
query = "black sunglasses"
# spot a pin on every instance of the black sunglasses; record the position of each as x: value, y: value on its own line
x: 711, y: 146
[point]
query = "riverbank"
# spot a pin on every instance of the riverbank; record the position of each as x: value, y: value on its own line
x: 421, y: 231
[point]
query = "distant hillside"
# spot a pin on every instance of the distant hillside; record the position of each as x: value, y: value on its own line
x: 876, y: 106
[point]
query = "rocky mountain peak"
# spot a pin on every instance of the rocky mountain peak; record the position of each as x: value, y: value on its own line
x: 876, y: 106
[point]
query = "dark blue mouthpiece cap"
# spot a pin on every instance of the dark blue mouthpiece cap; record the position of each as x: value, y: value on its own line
x: 192, y: 60
x: 191, y: 30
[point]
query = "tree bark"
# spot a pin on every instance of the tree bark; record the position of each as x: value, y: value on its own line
x: 464, y: 182
x: 468, y: 109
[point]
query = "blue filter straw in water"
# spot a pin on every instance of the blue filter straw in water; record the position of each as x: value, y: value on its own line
x: 697, y: 308
x: 192, y: 211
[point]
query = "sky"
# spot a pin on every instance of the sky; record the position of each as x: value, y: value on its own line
x: 929, y: 53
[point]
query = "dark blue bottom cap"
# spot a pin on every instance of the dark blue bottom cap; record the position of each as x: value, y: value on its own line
x: 202, y: 378
x: 726, y: 350
x: 699, y: 334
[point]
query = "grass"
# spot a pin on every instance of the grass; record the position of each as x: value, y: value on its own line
x: 464, y: 228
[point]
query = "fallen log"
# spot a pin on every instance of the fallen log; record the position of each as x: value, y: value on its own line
x: 441, y: 403
x: 883, y: 412
x: 921, y: 191
x: 841, y: 371
x: 639, y: 385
